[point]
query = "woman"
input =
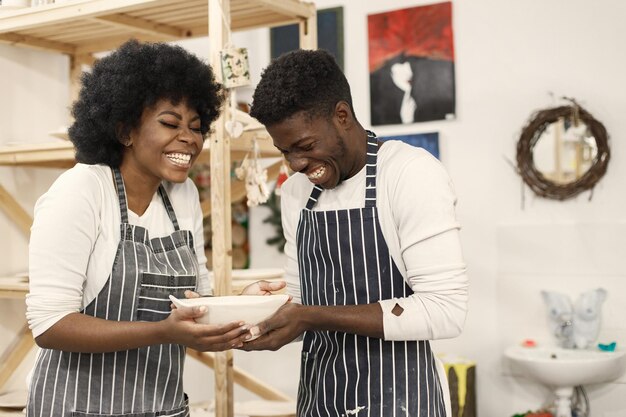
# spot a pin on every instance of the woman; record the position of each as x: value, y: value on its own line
x: 117, y: 234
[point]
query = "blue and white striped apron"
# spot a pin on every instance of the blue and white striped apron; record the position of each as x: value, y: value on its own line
x: 141, y: 382
x: 343, y: 260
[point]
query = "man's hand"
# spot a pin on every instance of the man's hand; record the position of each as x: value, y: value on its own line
x: 263, y: 287
x: 283, y: 327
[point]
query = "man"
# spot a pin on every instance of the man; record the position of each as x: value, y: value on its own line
x: 373, y: 255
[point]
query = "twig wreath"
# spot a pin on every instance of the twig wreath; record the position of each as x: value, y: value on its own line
x: 531, y: 133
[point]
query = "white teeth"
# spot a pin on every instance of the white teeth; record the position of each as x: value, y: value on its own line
x: 179, y: 158
x: 317, y: 173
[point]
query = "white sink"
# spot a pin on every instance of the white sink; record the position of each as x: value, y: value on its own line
x: 564, y: 368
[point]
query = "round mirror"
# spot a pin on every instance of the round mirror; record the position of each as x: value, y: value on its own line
x: 562, y: 152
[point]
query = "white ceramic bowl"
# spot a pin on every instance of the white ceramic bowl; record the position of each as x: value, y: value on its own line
x: 250, y: 309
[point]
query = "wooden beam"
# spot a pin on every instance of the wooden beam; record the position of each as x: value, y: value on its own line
x: 242, y: 378
x: 254, y: 22
x: 36, y: 43
x: 38, y: 154
x: 76, y: 69
x: 308, y: 33
x: 13, y: 287
x: 290, y: 8
x: 16, y: 213
x: 15, y: 354
x: 219, y: 36
x: 136, y: 24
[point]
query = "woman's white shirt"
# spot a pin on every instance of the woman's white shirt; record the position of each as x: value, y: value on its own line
x: 75, y: 235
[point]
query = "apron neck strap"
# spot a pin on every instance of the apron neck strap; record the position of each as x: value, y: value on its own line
x: 370, y: 175
x: 121, y: 196
x: 315, y: 194
x: 370, y: 169
x: 168, y: 207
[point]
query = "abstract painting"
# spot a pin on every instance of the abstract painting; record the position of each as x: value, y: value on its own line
x: 329, y: 35
x: 411, y: 65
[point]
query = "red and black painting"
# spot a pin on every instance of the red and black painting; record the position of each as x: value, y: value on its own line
x: 411, y: 65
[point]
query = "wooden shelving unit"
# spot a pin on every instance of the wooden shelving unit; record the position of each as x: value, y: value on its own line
x: 80, y: 28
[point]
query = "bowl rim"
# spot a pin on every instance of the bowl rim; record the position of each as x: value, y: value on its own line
x: 227, y: 300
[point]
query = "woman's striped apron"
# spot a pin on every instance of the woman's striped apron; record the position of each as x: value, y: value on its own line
x: 343, y: 260
x: 139, y: 382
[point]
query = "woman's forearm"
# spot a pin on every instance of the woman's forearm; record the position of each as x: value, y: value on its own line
x: 77, y: 332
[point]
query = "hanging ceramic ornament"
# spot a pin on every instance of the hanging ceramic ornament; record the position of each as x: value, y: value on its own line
x: 241, y: 170
x: 233, y: 127
x: 255, y: 177
x: 235, y: 68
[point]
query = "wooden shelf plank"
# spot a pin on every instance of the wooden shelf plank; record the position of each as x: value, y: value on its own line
x: 144, y: 25
x: 71, y: 11
x: 37, y: 153
x: 61, y: 154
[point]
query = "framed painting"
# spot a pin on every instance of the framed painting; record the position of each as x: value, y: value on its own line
x: 329, y: 35
x: 411, y: 65
x: 428, y: 141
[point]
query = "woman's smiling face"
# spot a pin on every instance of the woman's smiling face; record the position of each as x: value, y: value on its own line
x: 317, y: 148
x: 166, y: 143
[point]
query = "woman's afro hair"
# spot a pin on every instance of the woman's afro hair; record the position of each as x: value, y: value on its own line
x: 302, y: 80
x: 134, y: 77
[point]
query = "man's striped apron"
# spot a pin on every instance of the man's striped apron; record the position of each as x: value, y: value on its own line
x: 343, y: 260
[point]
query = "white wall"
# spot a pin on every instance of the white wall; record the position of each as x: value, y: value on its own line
x: 509, y: 56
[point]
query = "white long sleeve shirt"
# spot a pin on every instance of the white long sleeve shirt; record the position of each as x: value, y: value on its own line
x: 416, y: 205
x: 75, y: 235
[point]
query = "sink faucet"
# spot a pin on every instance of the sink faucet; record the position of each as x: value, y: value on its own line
x: 564, y: 331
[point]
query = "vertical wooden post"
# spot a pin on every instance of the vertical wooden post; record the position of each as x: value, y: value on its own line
x: 15, y: 354
x: 308, y: 30
x: 219, y: 34
x: 76, y: 69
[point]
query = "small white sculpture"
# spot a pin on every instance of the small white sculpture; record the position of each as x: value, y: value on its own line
x: 575, y: 325
x: 560, y: 312
x: 587, y: 317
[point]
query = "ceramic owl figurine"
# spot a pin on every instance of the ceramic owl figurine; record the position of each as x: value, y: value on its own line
x: 587, y: 317
x: 560, y: 316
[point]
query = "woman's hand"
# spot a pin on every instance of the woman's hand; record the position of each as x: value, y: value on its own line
x: 181, y: 328
x: 263, y: 287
